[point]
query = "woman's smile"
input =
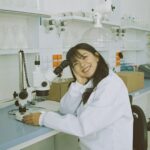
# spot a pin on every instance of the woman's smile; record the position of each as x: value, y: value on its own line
x: 86, y: 69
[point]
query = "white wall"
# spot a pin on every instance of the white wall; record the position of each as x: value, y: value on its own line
x: 9, y: 74
x: 16, y: 32
x: 75, y: 30
x: 50, y: 42
x: 138, y: 8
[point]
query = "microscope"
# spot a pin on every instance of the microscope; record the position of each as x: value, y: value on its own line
x: 41, y: 83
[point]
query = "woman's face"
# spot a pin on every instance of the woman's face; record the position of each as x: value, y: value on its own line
x: 85, y: 66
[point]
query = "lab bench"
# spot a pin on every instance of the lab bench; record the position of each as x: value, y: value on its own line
x: 142, y: 91
x: 16, y: 135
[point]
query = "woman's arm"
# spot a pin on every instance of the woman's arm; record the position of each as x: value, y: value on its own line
x: 72, y: 99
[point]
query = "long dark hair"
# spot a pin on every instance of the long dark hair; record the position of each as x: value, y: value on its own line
x: 102, y: 69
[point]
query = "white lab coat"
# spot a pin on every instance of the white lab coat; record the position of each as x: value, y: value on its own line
x: 105, y: 122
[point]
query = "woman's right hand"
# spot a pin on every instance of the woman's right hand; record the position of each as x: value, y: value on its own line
x: 80, y: 79
x: 32, y: 119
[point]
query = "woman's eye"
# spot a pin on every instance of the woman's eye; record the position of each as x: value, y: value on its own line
x: 84, y: 57
x: 74, y: 64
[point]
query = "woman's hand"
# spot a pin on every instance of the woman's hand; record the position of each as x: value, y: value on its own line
x: 80, y: 79
x: 32, y: 119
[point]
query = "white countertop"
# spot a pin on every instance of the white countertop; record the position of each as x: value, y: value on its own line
x: 16, y: 135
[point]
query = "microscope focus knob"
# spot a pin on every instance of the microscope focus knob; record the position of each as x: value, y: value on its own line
x: 22, y: 109
x: 16, y: 103
x: 23, y: 95
x: 15, y: 94
x: 44, y: 84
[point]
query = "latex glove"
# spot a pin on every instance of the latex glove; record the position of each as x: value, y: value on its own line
x: 32, y: 119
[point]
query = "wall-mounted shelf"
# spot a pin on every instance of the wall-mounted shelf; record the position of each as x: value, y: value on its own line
x: 131, y: 50
x: 24, y: 12
x: 88, y: 18
x: 136, y: 28
x: 75, y: 18
x: 83, y: 18
x: 110, y: 23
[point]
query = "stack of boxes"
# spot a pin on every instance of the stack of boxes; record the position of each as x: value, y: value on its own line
x: 134, y: 80
x: 58, y: 89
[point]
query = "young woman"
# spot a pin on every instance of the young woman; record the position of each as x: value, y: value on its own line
x: 96, y: 107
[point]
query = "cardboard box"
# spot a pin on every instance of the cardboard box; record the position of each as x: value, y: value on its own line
x: 133, y: 80
x: 58, y: 89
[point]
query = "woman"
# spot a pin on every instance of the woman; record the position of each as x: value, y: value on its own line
x: 96, y: 107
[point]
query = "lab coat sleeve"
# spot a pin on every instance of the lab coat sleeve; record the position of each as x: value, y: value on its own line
x: 72, y: 99
x: 95, y: 116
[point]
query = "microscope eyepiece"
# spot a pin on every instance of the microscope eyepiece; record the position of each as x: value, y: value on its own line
x: 60, y: 68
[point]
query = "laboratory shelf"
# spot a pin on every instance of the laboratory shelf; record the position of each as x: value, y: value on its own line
x: 76, y: 18
x: 24, y: 12
x: 88, y: 18
x: 135, y: 28
x: 110, y: 23
x: 83, y: 17
x: 131, y: 50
